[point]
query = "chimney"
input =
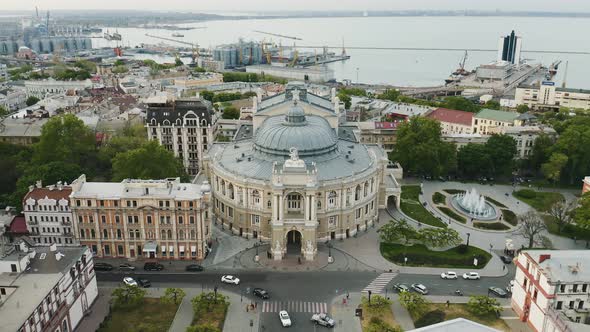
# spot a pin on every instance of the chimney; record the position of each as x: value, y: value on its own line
x: 543, y: 258
x: 39, y: 184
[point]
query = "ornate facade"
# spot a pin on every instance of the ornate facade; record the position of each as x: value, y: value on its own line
x: 296, y: 182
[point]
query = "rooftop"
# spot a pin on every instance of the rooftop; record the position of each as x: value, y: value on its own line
x: 27, y: 127
x: 51, y: 192
x: 497, y: 115
x: 563, y: 265
x: 529, y: 129
x: 452, y: 116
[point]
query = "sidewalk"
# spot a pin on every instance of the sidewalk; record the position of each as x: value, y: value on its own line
x: 98, y: 312
x: 237, y: 319
x: 344, y: 315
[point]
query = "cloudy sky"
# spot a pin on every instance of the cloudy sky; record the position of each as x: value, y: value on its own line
x: 273, y: 5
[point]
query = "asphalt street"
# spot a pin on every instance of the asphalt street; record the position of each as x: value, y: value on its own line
x: 304, y: 292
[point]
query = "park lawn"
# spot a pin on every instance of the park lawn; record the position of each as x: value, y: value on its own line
x: 510, y: 217
x: 495, y: 202
x: 439, y: 198
x: 385, y: 315
x: 452, y: 214
x: 460, y: 311
x: 215, y: 317
x: 152, y: 314
x: 569, y: 231
x: 542, y: 200
x: 412, y: 207
x: 420, y: 255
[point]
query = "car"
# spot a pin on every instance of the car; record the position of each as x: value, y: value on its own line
x: 230, y: 280
x: 129, y: 281
x: 102, y: 266
x: 323, y: 320
x: 153, y: 266
x: 419, y: 288
x: 471, y: 276
x: 498, y: 291
x: 285, y: 320
x: 126, y: 267
x: 261, y: 293
x: 506, y: 259
x: 401, y: 288
x: 194, y: 268
x: 448, y: 275
x: 144, y: 282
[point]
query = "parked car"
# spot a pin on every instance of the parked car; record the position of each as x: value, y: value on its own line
x: 285, y: 320
x: 261, y: 293
x: 419, y: 288
x: 498, y: 291
x: 98, y: 266
x: 448, y: 275
x: 230, y: 280
x: 471, y: 276
x: 126, y: 267
x: 506, y: 259
x: 401, y: 288
x: 323, y: 320
x: 129, y: 281
x: 144, y: 282
x: 194, y: 268
x: 153, y: 266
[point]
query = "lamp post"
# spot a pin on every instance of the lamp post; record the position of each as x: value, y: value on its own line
x: 468, y: 235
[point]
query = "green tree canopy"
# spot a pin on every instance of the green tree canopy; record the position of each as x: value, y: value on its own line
x: 173, y: 295
x: 473, y: 160
x: 582, y: 212
x: 346, y: 99
x: 492, y: 104
x: 397, y: 231
x: 32, y: 100
x: 522, y: 108
x: 439, y: 237
x: 150, y: 161
x: 389, y: 94
x: 231, y: 112
x: 483, y: 305
x: 501, y: 151
x: 420, y: 149
x: 552, y: 169
x: 128, y: 296
x: 3, y: 111
x: 461, y: 104
x: 120, y: 69
x: 413, y: 302
x: 540, y: 153
x: 574, y: 142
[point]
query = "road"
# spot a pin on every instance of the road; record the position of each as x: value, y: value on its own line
x: 301, y: 293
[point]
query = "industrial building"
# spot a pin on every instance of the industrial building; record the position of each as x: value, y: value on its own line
x: 546, y: 96
x: 312, y: 73
x: 240, y: 54
x: 509, y: 48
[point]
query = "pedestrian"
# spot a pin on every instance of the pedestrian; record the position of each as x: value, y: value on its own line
x: 503, y: 267
x: 347, y: 295
x: 247, y: 308
x: 448, y: 303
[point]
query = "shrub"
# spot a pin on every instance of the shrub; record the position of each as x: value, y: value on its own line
x: 462, y: 248
x: 526, y: 193
x: 431, y: 317
x: 439, y: 198
x: 497, y: 226
x: 452, y: 214
x: 495, y: 202
x: 510, y: 217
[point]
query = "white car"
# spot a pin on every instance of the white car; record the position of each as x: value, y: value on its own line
x: 419, y: 288
x: 230, y: 280
x: 285, y: 320
x: 471, y: 276
x: 129, y: 281
x: 448, y: 275
x: 323, y: 319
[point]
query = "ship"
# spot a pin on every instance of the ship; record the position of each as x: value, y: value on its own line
x: 176, y: 34
x: 116, y: 36
x: 459, y: 72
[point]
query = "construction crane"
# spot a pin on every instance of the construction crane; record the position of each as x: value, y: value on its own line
x: 295, y: 56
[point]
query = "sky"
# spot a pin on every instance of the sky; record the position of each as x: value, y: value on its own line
x: 279, y: 5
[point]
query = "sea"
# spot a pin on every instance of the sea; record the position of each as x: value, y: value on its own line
x: 399, y: 67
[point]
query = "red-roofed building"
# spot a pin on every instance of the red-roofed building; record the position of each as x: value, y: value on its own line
x: 453, y: 121
x: 18, y: 226
x: 48, y: 215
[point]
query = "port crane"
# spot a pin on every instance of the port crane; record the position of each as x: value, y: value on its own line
x: 461, y: 70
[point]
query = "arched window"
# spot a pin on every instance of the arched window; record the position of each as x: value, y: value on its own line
x: 372, y: 184
x: 357, y: 193
x: 169, y: 234
x: 223, y: 187
x: 105, y: 234
x: 82, y: 233
x: 268, y: 204
x: 181, y: 234
x: 332, y: 199
x: 137, y: 235
x: 193, y: 234
x: 366, y: 190
x: 118, y: 233
x: 230, y: 189
x: 256, y: 197
x: 163, y: 234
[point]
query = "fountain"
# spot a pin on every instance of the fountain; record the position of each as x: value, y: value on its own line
x: 474, y: 205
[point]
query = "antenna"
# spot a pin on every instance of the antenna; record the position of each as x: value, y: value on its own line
x: 37, y: 11
x: 563, y: 84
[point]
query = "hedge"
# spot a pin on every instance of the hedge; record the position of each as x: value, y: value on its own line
x: 495, y: 202
x: 452, y: 214
x: 497, y: 226
x: 439, y: 198
x: 420, y: 255
x: 510, y: 217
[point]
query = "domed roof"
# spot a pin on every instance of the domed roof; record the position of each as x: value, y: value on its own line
x: 310, y: 135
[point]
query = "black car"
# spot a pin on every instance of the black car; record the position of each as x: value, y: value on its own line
x: 506, y: 259
x: 194, y: 268
x: 497, y: 291
x: 144, y: 283
x: 102, y: 266
x: 152, y: 266
x: 261, y: 293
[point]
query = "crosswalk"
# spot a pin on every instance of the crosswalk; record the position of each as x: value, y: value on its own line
x: 379, y: 284
x: 295, y: 306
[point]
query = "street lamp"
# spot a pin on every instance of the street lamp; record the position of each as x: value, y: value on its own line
x: 468, y: 235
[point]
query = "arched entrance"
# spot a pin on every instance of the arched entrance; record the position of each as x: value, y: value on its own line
x: 293, y: 242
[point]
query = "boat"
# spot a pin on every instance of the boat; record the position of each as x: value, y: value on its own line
x: 176, y: 34
x: 116, y: 36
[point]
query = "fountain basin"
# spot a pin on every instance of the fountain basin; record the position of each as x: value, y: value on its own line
x: 474, y: 206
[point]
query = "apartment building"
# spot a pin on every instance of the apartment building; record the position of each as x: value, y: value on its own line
x: 546, y: 96
x: 453, y: 122
x: 525, y: 137
x: 163, y: 219
x: 45, y: 288
x: 487, y: 120
x: 551, y: 292
x: 48, y: 215
x: 183, y: 126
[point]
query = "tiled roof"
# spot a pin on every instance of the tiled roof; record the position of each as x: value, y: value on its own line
x: 497, y: 115
x: 41, y: 193
x: 452, y: 116
x: 18, y: 225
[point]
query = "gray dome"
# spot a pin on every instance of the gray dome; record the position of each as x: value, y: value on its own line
x: 311, y: 135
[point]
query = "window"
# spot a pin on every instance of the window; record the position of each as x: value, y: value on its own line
x: 584, y: 288
x: 230, y: 212
x: 169, y: 234
x: 255, y: 220
x: 78, y: 202
x: 191, y: 219
x: 180, y: 220
x: 129, y: 219
x: 118, y: 234
x: 571, y: 305
x: 332, y: 199
x: 332, y: 221
x: 181, y: 234
x: 357, y: 193
x: 101, y: 202
x: 256, y: 197
x: 88, y: 203
x: 193, y: 234
x: 92, y: 234
x: 359, y: 213
x: 574, y: 288
x: 149, y: 219
x: 559, y: 305
x: 116, y: 203
x: 137, y: 234
x: 117, y: 219
x: 105, y: 234
x: 136, y: 219
x: 103, y: 219
x: 561, y: 288
x: 581, y: 305
x: 294, y: 201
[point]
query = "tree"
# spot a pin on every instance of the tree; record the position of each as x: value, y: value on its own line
x: 562, y: 212
x: 397, y: 231
x: 128, y: 296
x: 32, y: 100
x: 203, y: 303
x: 552, y: 169
x: 541, y: 152
x: 492, y: 104
x: 120, y: 62
x: 461, y: 104
x: 420, y: 149
x: 389, y: 94
x: 173, y: 295
x: 346, y: 99
x: 574, y: 142
x: 120, y: 69
x: 178, y: 62
x: 86, y: 65
x: 231, y: 112
x: 3, y: 111
x: 531, y: 227
x: 439, y: 237
x: 413, y: 302
x: 376, y: 324
x: 501, y: 150
x: 378, y: 303
x: 482, y: 305
x: 150, y: 161
x: 582, y: 212
x: 473, y: 160
x: 522, y: 108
